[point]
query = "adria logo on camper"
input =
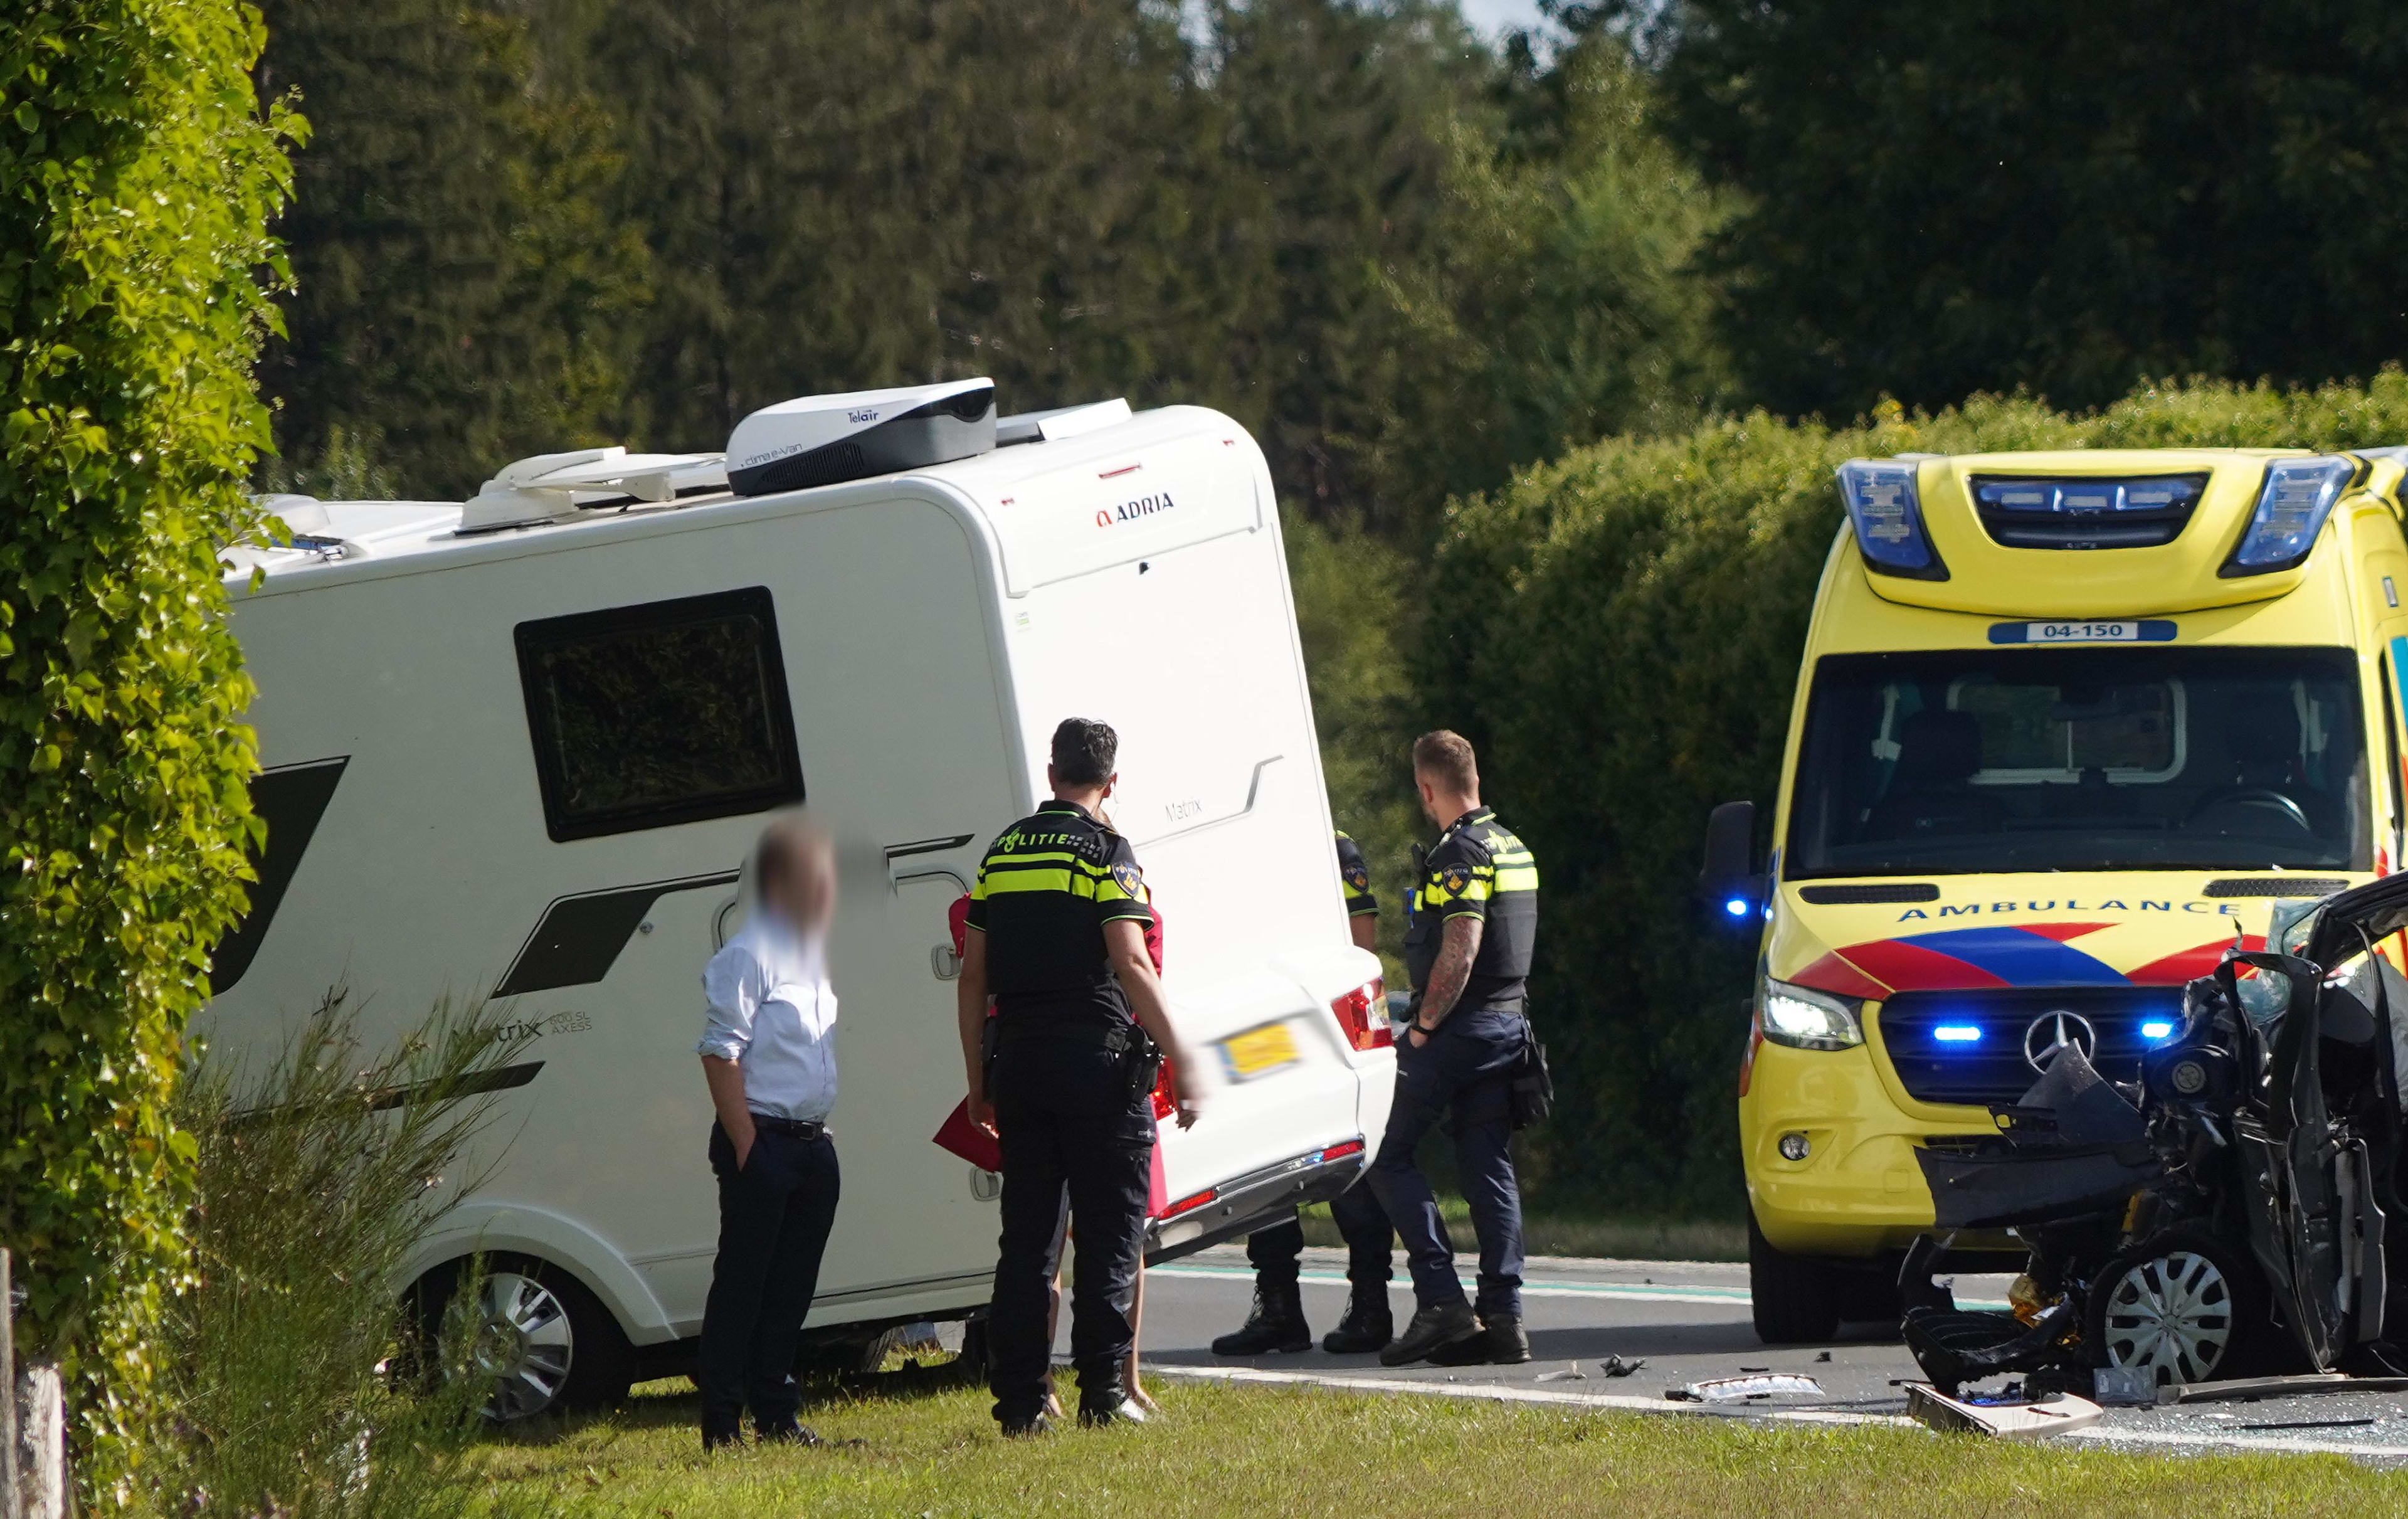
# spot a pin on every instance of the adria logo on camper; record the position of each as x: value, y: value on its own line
x: 1129, y: 511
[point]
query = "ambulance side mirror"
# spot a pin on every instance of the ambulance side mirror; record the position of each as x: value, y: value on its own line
x: 1731, y: 889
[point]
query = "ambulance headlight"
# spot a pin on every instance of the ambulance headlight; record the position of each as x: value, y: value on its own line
x: 1805, y: 1018
x: 2292, y: 505
x: 1885, y: 507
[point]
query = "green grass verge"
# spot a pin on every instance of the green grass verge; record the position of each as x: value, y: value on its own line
x: 1572, y: 1234
x: 1222, y: 1450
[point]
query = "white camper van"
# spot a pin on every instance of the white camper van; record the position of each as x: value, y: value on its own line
x: 522, y: 746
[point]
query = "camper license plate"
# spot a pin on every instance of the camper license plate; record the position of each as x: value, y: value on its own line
x: 1258, y: 1052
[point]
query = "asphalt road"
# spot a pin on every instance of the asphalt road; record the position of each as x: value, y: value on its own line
x: 1689, y: 1322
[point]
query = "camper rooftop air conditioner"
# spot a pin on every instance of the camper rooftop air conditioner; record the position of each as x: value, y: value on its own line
x: 550, y: 486
x: 822, y: 439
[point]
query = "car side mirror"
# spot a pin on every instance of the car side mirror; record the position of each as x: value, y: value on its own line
x: 1731, y: 889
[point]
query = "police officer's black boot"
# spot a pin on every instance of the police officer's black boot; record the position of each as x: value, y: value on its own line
x: 1501, y: 1341
x: 1432, y: 1328
x: 1276, y: 1325
x: 1366, y: 1327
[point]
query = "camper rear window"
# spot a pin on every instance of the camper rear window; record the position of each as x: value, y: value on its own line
x: 669, y: 712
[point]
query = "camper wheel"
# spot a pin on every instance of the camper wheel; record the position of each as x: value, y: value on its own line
x: 2181, y: 1304
x: 543, y: 1339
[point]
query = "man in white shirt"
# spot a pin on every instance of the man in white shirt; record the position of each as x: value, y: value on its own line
x: 769, y: 1055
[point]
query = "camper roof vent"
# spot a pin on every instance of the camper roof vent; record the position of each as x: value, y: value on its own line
x: 1060, y: 423
x: 550, y: 486
x: 822, y: 439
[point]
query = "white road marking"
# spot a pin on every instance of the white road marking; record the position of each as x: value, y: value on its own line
x: 1499, y: 1393
x: 1627, y: 1292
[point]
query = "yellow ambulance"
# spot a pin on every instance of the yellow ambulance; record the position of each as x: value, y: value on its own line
x: 2068, y: 725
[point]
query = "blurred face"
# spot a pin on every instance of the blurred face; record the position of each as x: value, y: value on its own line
x: 804, y: 893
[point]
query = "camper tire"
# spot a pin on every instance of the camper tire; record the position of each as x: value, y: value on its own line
x: 546, y: 1340
x: 1793, y: 1298
x: 2182, y: 1303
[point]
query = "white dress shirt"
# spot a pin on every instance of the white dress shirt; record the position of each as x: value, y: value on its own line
x: 773, y: 1014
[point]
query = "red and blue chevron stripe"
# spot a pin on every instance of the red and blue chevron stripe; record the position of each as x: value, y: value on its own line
x: 2024, y: 954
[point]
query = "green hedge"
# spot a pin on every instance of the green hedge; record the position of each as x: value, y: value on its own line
x: 1619, y: 632
x: 137, y: 178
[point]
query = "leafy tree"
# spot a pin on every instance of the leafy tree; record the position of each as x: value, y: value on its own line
x: 464, y: 296
x: 840, y: 196
x: 1337, y: 139
x: 1952, y: 195
x: 1554, y: 303
x: 137, y: 174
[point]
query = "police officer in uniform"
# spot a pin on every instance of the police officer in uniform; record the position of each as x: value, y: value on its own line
x: 1474, y: 916
x: 1277, y: 1323
x: 1057, y: 935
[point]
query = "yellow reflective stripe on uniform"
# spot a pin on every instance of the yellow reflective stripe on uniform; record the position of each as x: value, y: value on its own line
x: 1041, y: 880
x: 1519, y: 878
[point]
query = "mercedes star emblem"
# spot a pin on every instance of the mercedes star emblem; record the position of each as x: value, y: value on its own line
x: 2053, y: 1031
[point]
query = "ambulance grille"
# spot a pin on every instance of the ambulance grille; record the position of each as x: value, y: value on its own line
x: 1991, y: 1067
x: 1904, y: 891
x: 2276, y: 886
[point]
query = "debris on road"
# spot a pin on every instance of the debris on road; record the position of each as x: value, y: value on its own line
x: 1616, y: 1366
x: 2312, y: 1424
x: 2124, y: 1386
x: 1746, y: 1389
x: 2017, y: 1420
x: 2250, y: 1389
x: 1570, y: 1373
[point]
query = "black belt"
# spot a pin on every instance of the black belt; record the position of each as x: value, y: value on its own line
x: 792, y: 1128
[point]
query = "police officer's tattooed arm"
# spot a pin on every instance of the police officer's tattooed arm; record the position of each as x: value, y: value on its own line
x: 1456, y: 950
x: 970, y: 1015
x: 1124, y: 946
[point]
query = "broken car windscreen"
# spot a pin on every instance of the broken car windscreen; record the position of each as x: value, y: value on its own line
x: 2091, y: 758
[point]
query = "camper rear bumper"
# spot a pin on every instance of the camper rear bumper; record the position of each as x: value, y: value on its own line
x: 1260, y: 1197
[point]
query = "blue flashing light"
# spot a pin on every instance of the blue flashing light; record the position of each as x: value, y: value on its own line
x: 2292, y: 505
x: 2156, y: 1028
x: 1736, y: 907
x: 2090, y: 497
x: 1886, y: 504
x: 1959, y: 1033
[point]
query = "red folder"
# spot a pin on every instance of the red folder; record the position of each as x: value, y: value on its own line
x: 969, y: 1141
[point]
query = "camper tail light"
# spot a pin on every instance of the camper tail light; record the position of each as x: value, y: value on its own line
x: 1885, y: 507
x: 1191, y: 1202
x: 1363, y: 1013
x: 2292, y: 505
x: 1343, y: 1148
x: 1803, y: 1018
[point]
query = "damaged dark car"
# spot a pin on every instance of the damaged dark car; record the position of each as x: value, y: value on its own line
x: 2233, y: 1212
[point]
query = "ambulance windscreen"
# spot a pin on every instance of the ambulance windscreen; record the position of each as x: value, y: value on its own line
x: 1983, y: 761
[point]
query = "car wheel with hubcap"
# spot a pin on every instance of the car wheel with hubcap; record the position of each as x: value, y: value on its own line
x: 541, y: 1339
x: 2181, y: 1305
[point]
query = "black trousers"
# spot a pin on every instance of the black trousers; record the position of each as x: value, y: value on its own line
x: 1362, y: 1223
x: 1466, y: 1072
x: 774, y: 1216
x: 1075, y: 1138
